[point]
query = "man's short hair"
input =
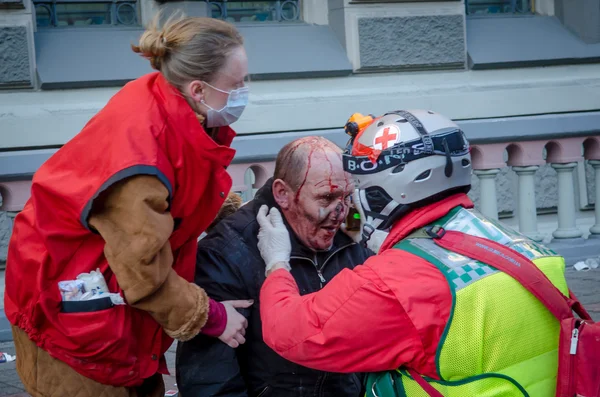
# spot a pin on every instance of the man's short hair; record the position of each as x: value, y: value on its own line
x: 292, y: 159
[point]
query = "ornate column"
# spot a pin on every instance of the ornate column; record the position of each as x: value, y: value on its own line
x: 249, y: 179
x: 566, y: 202
x: 595, y: 230
x: 527, y: 210
x: 488, y: 202
x: 6, y: 224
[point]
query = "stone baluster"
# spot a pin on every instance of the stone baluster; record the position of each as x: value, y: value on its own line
x: 566, y: 202
x: 248, y: 194
x: 595, y: 230
x: 487, y: 189
x: 527, y: 210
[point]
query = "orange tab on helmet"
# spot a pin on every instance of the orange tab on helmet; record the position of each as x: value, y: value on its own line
x: 358, y: 149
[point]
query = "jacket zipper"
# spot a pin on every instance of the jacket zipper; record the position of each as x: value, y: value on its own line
x: 320, y: 269
x: 322, y: 384
x: 262, y: 393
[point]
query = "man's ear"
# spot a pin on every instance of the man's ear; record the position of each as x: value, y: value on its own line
x: 282, y: 194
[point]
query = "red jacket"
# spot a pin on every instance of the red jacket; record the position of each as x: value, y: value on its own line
x: 147, y: 128
x: 377, y: 317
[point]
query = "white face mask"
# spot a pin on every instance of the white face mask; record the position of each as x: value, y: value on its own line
x: 236, y: 103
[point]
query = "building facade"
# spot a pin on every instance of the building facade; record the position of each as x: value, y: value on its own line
x: 521, y: 77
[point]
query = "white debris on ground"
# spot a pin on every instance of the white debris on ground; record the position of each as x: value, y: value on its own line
x: 590, y: 263
x: 6, y: 358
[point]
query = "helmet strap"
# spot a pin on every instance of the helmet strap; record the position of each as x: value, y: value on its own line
x: 373, y: 219
x: 367, y: 232
x: 449, y: 167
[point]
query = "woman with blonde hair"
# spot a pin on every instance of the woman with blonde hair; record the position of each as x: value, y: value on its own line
x: 100, y: 268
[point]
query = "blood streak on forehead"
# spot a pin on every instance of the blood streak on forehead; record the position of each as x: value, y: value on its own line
x: 317, y: 150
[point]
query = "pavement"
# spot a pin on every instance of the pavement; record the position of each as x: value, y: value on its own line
x: 584, y: 285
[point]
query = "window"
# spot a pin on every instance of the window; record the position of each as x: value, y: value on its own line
x: 255, y: 11
x: 62, y: 13
x: 292, y: 45
x: 487, y: 7
x: 390, y: 1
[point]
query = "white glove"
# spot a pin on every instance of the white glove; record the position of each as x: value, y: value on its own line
x: 356, y: 235
x: 273, y: 239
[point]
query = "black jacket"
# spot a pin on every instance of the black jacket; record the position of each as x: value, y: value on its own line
x: 228, y: 267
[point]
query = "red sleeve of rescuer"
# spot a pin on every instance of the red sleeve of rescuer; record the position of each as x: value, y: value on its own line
x: 354, y: 324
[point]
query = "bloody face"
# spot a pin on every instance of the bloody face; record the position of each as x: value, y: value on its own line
x: 320, y: 204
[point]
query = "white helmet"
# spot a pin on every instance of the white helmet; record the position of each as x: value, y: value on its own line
x: 404, y: 160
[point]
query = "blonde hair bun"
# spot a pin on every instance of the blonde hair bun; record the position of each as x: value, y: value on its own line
x: 188, y: 48
x: 153, y: 45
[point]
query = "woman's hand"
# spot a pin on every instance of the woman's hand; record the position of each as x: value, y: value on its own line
x: 236, y: 323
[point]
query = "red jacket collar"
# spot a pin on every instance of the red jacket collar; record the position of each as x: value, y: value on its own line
x: 424, y: 216
x: 182, y: 118
x: 225, y: 136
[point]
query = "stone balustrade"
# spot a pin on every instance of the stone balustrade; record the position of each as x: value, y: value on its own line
x: 525, y: 159
x: 247, y: 177
x: 561, y: 159
x: 517, y: 178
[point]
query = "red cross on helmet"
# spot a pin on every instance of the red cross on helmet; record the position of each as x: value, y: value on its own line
x: 406, y: 159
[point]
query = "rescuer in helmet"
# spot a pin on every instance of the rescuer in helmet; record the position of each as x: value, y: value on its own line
x: 417, y: 316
